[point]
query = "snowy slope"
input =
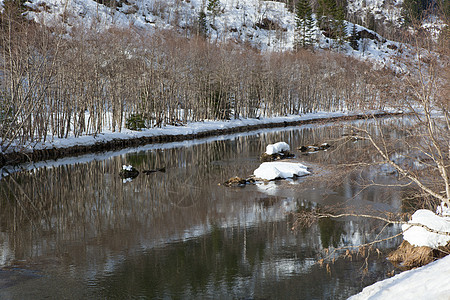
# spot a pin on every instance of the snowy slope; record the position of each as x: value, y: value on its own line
x: 385, y: 11
x: 266, y: 25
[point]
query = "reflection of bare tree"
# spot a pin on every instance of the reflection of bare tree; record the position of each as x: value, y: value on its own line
x: 87, y: 211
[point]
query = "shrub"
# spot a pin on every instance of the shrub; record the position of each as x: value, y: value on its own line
x: 135, y: 122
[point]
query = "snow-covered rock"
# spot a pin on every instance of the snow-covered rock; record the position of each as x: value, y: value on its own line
x: 277, y: 148
x: 127, y: 168
x: 128, y: 171
x: 274, y: 170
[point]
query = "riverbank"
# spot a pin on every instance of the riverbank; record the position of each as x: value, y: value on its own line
x: 427, y: 282
x: 56, y: 148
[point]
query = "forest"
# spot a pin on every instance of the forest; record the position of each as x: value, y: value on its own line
x: 59, y: 86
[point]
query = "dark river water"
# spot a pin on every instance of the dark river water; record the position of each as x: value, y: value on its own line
x: 73, y: 229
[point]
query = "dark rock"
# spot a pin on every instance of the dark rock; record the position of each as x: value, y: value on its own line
x: 303, y: 148
x: 237, y: 181
x: 268, y: 24
x: 314, y: 148
x: 324, y: 146
x: 392, y: 47
x: 276, y: 156
x: 148, y: 172
x: 133, y: 173
x: 364, y: 34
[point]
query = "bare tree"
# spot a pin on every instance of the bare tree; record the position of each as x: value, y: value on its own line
x: 423, y: 82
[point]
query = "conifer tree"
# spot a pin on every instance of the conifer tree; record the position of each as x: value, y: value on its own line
x: 353, y: 39
x: 338, y: 25
x: 331, y: 18
x: 304, y: 24
x: 325, y: 11
x: 213, y: 8
x: 202, y: 28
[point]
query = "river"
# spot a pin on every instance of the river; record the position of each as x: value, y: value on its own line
x: 73, y: 229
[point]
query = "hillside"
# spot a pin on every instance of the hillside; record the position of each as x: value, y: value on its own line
x: 266, y: 25
x: 97, y: 66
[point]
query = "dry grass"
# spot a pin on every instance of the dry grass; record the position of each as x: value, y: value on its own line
x: 407, y: 256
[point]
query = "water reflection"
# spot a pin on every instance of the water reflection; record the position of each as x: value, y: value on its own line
x: 177, y: 234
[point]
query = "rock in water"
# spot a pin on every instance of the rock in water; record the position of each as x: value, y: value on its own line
x: 128, y: 171
x: 279, y: 147
x: 237, y: 181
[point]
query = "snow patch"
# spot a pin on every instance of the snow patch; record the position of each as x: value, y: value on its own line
x: 419, y: 236
x: 274, y: 170
x: 427, y: 282
x: 443, y: 210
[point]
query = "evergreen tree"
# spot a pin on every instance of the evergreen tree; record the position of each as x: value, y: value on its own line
x: 304, y: 24
x: 332, y: 20
x: 202, y: 28
x: 325, y: 11
x: 213, y: 8
x: 338, y: 25
x: 353, y: 39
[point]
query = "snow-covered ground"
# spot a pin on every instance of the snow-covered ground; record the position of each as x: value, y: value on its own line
x: 385, y: 11
x: 428, y: 282
x: 191, y: 128
x: 240, y: 22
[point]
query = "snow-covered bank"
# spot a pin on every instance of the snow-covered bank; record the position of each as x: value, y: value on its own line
x: 419, y: 236
x: 190, y: 128
x: 428, y: 282
x: 80, y: 145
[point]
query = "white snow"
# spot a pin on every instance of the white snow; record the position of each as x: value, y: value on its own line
x: 273, y: 170
x: 389, y: 12
x: 127, y: 168
x: 428, y: 282
x: 277, y: 148
x: 125, y: 180
x: 107, y: 135
x: 443, y: 210
x: 237, y: 22
x: 419, y: 236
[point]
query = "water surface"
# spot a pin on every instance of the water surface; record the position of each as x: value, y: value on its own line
x: 79, y: 231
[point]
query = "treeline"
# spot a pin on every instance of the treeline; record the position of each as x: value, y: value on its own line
x: 53, y: 85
